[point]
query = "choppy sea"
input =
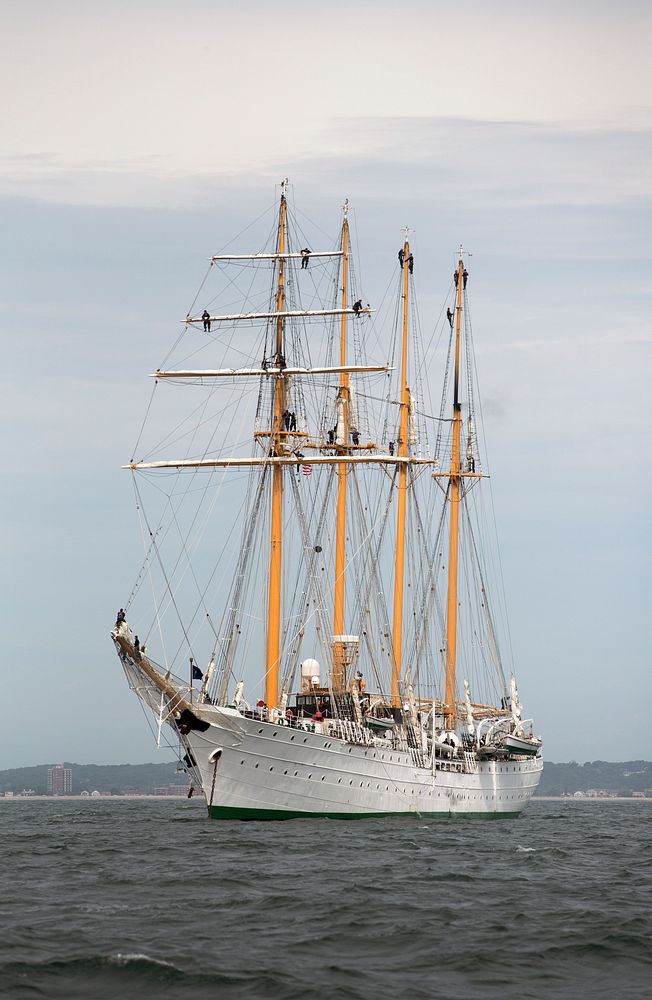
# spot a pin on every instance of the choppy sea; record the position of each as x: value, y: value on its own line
x: 138, y: 899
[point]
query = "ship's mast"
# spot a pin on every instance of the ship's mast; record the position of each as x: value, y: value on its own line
x: 276, y: 532
x: 454, y: 499
x: 339, y: 667
x: 402, y: 451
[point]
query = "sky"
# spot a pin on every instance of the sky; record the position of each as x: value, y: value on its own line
x: 138, y: 138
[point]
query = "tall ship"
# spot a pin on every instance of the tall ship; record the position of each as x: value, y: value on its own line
x: 312, y: 627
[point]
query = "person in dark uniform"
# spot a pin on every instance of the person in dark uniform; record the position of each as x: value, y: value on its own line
x: 449, y: 317
x: 293, y: 421
x: 465, y: 277
x: 305, y: 258
x: 286, y: 419
x: 206, y: 316
x: 357, y: 306
x: 411, y: 264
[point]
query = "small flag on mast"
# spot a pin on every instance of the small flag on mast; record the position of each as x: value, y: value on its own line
x: 307, y: 470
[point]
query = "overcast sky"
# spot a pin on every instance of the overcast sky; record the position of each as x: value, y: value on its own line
x: 139, y: 137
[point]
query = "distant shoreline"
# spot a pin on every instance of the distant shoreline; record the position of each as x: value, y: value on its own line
x: 97, y: 798
x: 590, y: 798
x: 198, y: 797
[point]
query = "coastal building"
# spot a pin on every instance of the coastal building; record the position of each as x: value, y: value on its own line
x: 178, y: 790
x: 59, y: 780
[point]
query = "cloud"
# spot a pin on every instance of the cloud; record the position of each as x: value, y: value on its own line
x: 459, y: 164
x: 116, y: 91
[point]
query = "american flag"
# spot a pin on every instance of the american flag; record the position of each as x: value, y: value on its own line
x: 307, y: 470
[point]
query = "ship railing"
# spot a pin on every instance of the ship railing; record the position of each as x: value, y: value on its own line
x: 449, y: 765
x: 260, y: 713
x: 351, y: 732
x: 343, y: 729
x: 421, y: 759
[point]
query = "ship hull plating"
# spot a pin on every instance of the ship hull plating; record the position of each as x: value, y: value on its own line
x: 251, y: 769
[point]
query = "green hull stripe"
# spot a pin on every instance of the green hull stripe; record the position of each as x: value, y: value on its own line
x: 228, y: 812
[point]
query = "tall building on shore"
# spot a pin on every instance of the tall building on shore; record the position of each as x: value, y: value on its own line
x: 59, y: 780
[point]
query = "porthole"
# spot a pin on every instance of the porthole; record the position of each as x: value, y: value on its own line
x: 255, y: 765
x: 259, y: 732
x: 271, y: 768
x: 291, y: 738
x: 284, y: 772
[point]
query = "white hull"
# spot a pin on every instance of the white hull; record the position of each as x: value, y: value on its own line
x: 258, y: 770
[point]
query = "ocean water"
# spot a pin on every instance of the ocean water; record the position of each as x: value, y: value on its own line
x: 139, y: 899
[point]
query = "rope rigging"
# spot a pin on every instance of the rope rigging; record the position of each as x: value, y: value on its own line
x: 218, y: 426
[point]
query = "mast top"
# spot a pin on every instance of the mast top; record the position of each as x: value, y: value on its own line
x: 284, y: 186
x: 345, y: 209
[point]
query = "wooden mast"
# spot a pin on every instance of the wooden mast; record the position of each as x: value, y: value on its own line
x: 454, y: 499
x: 276, y: 532
x: 339, y: 666
x: 402, y: 451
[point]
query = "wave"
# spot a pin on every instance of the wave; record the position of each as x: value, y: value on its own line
x: 132, y: 976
